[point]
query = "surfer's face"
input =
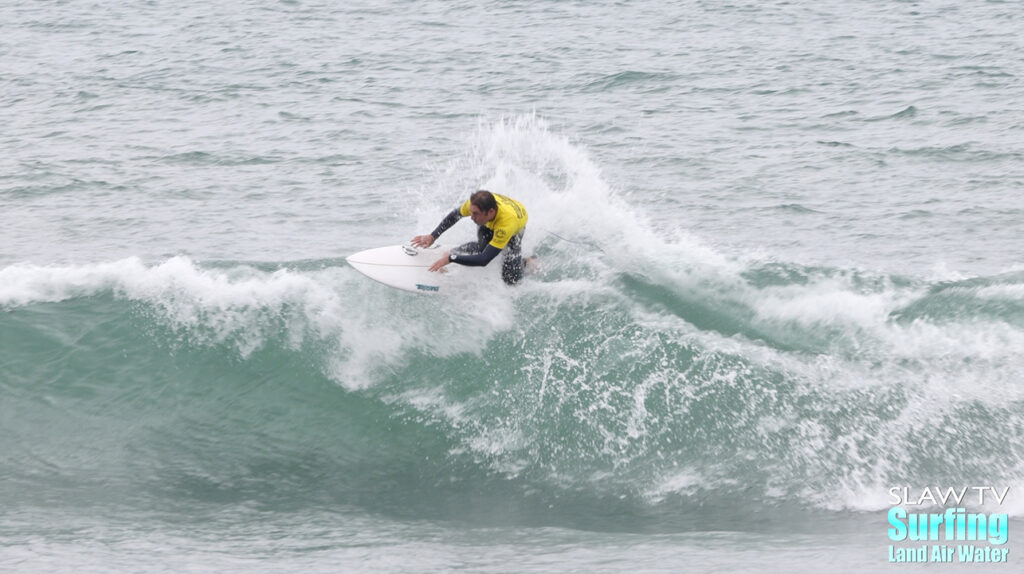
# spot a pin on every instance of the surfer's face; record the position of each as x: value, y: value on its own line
x: 480, y: 217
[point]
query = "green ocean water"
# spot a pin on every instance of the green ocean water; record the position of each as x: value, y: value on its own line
x: 780, y: 274
x: 180, y: 400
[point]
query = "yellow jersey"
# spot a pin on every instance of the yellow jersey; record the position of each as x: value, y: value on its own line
x: 510, y: 219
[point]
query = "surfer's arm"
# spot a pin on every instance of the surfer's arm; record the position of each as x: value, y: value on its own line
x: 428, y: 240
x: 449, y: 220
x: 476, y: 259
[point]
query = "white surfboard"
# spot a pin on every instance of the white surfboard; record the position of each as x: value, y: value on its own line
x: 402, y: 267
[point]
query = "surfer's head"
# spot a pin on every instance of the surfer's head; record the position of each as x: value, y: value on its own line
x: 482, y: 206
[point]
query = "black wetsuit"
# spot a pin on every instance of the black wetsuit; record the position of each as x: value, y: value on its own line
x: 479, y: 253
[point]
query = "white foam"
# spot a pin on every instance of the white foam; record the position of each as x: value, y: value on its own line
x: 831, y: 301
x: 1002, y: 292
x: 245, y: 308
x: 685, y: 481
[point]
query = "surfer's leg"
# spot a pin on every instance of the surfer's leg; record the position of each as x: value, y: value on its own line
x: 483, y: 237
x: 512, y: 266
x: 466, y: 249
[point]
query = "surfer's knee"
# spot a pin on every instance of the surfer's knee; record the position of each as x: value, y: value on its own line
x: 512, y: 271
x: 471, y: 248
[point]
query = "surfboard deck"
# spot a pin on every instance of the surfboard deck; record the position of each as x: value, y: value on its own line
x: 402, y: 267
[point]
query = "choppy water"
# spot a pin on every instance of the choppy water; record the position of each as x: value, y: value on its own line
x: 787, y: 276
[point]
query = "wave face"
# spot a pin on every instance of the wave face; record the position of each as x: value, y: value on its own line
x: 640, y: 381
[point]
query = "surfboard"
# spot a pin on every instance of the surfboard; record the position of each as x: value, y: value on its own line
x: 402, y: 267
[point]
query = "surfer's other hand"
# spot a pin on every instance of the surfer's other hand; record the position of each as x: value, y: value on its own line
x: 422, y: 240
x: 437, y: 266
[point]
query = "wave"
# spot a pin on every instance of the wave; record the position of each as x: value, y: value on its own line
x: 649, y: 374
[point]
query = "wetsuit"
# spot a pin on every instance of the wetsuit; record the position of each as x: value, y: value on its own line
x: 504, y: 232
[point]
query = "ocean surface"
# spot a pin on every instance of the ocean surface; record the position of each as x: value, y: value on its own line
x: 781, y: 271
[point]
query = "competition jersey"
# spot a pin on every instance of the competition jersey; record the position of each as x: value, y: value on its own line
x: 510, y: 219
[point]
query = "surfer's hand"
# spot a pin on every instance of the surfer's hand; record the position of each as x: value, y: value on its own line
x: 422, y: 241
x: 440, y: 262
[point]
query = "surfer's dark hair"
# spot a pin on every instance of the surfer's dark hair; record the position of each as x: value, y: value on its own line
x: 484, y: 200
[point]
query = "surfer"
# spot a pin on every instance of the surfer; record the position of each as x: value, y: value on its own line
x: 501, y: 221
